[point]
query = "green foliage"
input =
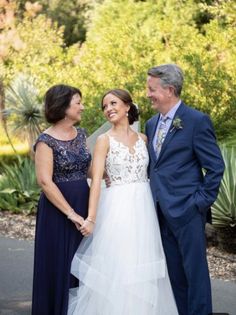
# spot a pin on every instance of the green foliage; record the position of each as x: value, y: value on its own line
x: 23, y: 109
x: 18, y: 188
x: 73, y: 15
x: 224, y: 209
x: 3, y: 137
x: 7, y: 155
x: 10, y: 158
x: 231, y: 142
x: 124, y: 39
x: 42, y: 56
x: 123, y: 43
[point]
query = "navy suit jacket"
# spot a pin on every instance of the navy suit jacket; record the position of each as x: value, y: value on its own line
x: 185, y: 178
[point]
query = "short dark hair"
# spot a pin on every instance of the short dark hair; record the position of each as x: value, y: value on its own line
x: 133, y: 113
x: 169, y: 74
x: 56, y: 101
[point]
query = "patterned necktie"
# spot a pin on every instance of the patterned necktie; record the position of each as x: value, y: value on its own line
x: 161, y: 134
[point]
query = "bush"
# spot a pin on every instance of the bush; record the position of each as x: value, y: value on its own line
x: 10, y: 159
x: 18, y: 189
x: 224, y: 209
x: 124, y: 39
x: 148, y: 33
x: 231, y: 141
x: 23, y: 110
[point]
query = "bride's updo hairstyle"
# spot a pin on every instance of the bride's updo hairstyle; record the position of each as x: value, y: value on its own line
x: 124, y: 96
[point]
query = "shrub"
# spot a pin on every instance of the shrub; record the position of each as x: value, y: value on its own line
x: 18, y: 189
x: 10, y: 158
x: 224, y: 209
x: 122, y: 44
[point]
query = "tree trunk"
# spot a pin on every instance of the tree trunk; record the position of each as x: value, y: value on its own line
x: 2, y: 117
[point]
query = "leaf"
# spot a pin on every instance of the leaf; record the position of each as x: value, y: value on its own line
x: 8, y: 191
x: 224, y: 208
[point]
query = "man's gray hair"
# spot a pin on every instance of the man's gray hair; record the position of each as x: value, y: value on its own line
x: 169, y: 74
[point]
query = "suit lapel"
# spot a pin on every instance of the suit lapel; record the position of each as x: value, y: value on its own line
x: 152, y: 134
x: 171, y: 131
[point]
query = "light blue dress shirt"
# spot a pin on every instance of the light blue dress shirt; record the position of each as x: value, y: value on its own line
x: 170, y: 115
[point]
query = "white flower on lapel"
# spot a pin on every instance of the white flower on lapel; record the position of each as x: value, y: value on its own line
x: 177, y: 124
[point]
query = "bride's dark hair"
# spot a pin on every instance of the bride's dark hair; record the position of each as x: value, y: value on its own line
x: 124, y: 96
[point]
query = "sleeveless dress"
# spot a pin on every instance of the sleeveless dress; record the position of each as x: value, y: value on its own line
x: 121, y: 266
x: 57, y: 238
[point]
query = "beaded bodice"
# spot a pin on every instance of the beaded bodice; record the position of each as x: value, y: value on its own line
x: 71, y: 158
x: 123, y: 166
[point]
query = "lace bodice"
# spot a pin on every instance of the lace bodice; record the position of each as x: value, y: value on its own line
x: 123, y: 166
x: 71, y: 158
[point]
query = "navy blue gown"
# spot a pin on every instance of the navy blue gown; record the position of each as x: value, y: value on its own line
x: 57, y: 238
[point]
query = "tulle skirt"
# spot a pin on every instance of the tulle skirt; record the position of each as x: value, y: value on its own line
x: 121, y: 266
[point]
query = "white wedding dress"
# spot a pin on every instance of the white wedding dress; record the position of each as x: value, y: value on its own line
x: 121, y: 266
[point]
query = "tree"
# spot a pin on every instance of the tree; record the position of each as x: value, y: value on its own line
x: 124, y: 39
x: 35, y: 50
x: 3, y: 118
x: 23, y: 109
x: 128, y: 37
x: 73, y: 15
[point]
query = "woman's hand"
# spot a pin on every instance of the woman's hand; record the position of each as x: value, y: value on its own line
x: 76, y: 219
x: 87, y: 227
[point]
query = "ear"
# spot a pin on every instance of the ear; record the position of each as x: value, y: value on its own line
x: 171, y: 91
x: 128, y: 108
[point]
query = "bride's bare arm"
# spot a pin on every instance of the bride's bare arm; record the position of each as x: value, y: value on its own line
x: 98, y: 165
x: 89, y: 174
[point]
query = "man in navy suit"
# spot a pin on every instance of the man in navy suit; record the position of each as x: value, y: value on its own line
x: 185, y: 172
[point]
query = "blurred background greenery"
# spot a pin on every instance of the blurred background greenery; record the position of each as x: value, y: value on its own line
x: 103, y: 44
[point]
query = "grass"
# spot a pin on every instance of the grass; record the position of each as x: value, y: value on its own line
x: 21, y: 148
x: 7, y: 154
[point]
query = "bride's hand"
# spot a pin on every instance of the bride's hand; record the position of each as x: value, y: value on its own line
x: 87, y: 228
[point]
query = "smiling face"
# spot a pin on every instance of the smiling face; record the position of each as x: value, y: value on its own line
x: 159, y: 96
x: 114, y: 109
x: 75, y: 108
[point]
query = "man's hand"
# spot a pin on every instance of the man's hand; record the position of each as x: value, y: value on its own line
x: 107, y: 181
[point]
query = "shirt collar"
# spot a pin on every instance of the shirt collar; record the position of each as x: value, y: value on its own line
x: 171, y: 112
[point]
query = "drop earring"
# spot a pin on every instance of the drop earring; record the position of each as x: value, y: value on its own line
x: 127, y: 114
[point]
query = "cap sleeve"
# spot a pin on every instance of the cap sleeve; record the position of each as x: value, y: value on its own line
x: 45, y: 139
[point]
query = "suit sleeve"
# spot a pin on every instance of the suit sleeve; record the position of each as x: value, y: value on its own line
x: 146, y: 129
x: 146, y: 133
x: 210, y: 159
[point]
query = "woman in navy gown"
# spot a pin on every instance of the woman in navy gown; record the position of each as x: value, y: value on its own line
x: 62, y: 161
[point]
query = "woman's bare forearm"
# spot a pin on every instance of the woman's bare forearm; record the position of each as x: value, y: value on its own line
x: 55, y: 196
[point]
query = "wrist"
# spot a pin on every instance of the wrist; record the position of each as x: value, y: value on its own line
x: 91, y: 219
x: 70, y: 214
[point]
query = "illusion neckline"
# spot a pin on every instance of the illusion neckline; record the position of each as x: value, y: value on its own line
x: 126, y: 146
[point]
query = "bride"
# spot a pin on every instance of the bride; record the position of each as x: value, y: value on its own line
x: 121, y: 264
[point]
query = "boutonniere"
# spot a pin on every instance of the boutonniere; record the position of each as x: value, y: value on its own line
x: 177, y: 124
